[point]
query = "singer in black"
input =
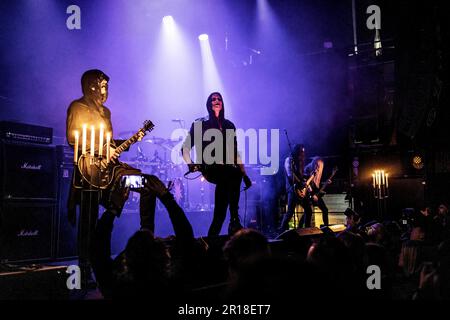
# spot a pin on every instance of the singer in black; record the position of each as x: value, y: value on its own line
x: 218, y: 160
x: 294, y: 169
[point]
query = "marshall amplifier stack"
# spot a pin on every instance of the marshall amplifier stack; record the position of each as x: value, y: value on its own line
x: 28, y: 190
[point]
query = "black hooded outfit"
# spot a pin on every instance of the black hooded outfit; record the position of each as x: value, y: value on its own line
x: 89, y: 109
x: 225, y: 173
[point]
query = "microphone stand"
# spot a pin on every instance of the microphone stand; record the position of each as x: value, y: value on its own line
x: 293, y: 170
x: 292, y: 164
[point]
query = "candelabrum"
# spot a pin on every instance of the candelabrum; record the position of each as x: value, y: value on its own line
x: 380, y: 184
x: 90, y: 195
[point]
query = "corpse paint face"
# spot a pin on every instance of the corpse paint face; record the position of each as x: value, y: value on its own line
x: 217, y: 104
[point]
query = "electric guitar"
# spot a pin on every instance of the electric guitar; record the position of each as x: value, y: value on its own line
x: 99, y: 172
x: 321, y: 192
x: 302, y: 189
x: 209, y: 171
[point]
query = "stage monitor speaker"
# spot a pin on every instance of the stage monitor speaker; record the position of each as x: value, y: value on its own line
x: 65, y: 233
x: 302, y: 232
x: 34, y: 283
x: 333, y: 228
x: 26, y: 231
x: 28, y: 171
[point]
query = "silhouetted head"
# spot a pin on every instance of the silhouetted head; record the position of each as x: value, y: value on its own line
x: 146, y: 257
x: 244, y: 245
x: 443, y: 209
x: 298, y: 151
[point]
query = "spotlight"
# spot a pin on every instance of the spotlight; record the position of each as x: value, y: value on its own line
x: 167, y: 20
x: 203, y: 37
x: 417, y: 162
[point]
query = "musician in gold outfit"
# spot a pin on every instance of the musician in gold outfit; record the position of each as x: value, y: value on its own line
x: 90, y: 110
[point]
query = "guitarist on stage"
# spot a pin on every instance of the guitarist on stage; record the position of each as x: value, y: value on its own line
x: 90, y: 110
x: 225, y: 169
x: 297, y: 191
x: 316, y: 165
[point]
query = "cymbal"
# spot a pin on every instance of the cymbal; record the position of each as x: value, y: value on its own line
x: 172, y: 142
x: 142, y: 163
x: 155, y: 140
x: 162, y: 141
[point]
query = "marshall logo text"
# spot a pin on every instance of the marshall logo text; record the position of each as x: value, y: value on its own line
x: 28, y: 166
x: 28, y: 233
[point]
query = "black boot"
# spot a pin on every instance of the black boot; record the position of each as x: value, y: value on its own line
x: 234, y: 226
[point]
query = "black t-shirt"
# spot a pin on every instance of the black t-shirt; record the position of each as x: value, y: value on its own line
x: 203, y: 135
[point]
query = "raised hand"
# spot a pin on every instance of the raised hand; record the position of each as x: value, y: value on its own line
x: 141, y: 135
x: 156, y: 185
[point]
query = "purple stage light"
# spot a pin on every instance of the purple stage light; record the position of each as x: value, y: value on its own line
x: 167, y: 20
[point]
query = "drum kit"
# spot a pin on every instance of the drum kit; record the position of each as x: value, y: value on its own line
x: 158, y: 162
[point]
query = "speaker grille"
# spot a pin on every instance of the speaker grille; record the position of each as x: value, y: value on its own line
x: 28, y: 171
x: 26, y: 231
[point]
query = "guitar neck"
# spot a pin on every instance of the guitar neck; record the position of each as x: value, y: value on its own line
x: 326, y: 183
x: 308, y: 182
x: 324, y: 186
x: 126, y: 144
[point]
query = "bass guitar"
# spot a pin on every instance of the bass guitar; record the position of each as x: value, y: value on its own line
x: 302, y: 189
x: 100, y: 172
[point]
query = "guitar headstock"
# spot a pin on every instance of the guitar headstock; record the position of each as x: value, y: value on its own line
x: 148, y: 126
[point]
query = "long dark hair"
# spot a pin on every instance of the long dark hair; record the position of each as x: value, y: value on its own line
x: 210, y: 110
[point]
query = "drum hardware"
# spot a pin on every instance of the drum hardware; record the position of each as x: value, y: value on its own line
x: 162, y: 167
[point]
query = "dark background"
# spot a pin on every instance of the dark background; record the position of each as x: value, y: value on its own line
x: 342, y: 106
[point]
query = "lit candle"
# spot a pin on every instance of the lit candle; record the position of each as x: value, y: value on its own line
x: 108, y: 139
x: 75, y: 151
x: 378, y: 178
x: 83, y: 143
x: 100, y: 142
x: 382, y: 177
x: 373, y: 179
x: 92, y: 141
x: 387, y: 181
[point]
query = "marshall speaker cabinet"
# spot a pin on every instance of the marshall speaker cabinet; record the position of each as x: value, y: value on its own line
x: 28, y: 200
x: 28, y: 171
x: 26, y: 231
